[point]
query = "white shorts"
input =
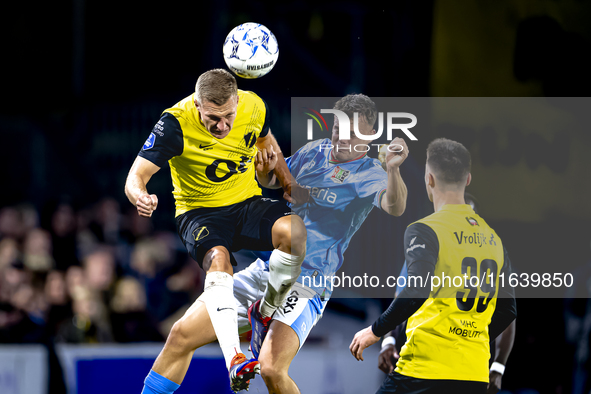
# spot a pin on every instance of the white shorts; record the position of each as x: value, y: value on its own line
x: 301, y: 310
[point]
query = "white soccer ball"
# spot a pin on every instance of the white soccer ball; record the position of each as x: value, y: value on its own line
x: 251, y: 50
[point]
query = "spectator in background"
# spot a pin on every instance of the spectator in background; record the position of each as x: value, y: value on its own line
x: 86, y: 241
x: 16, y: 222
x: 9, y: 252
x: 107, y: 221
x: 99, y: 270
x: 147, y: 256
x: 154, y: 263
x: 74, y: 279
x: 22, y: 306
x: 11, y: 225
x: 37, y: 251
x: 90, y: 322
x: 135, y: 228
x: 30, y: 299
x: 130, y: 321
x: 60, y: 281
x: 99, y: 225
x: 60, y: 303
x: 63, y: 236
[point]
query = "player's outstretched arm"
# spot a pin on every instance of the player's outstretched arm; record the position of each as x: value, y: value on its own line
x: 135, y: 186
x: 394, y: 200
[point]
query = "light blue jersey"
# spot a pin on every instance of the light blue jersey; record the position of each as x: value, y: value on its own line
x: 341, y: 196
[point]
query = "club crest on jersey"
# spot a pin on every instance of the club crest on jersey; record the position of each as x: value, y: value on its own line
x: 339, y: 175
x: 200, y: 233
x: 250, y: 139
x: 149, y: 144
x: 472, y: 221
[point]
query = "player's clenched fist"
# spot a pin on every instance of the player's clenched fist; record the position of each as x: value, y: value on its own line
x: 265, y: 160
x: 146, y: 204
x: 393, y: 155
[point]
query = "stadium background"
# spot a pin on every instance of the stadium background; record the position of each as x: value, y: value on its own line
x: 84, y: 82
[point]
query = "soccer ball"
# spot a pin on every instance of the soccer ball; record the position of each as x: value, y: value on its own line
x: 251, y: 50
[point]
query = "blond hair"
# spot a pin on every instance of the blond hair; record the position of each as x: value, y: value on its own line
x: 216, y: 86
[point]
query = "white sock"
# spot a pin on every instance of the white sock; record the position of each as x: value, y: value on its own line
x: 218, y: 297
x: 284, y: 269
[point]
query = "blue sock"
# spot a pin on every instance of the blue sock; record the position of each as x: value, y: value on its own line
x: 158, y: 384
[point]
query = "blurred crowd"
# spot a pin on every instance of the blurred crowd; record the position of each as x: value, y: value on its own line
x: 91, y: 275
x: 102, y: 274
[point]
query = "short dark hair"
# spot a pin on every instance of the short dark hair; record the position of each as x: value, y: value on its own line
x: 359, y: 103
x: 450, y: 160
x: 216, y: 86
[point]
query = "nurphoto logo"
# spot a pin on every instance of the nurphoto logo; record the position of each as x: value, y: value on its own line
x: 345, y: 128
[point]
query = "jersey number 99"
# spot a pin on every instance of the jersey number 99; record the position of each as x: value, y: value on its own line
x: 472, y: 282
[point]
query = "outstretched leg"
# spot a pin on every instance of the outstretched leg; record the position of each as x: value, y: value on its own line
x: 280, y: 347
x: 212, y: 316
x: 190, y: 332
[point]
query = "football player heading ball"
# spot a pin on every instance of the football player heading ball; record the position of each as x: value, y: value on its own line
x: 210, y: 140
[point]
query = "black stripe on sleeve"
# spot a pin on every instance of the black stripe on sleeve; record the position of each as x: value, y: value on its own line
x: 165, y: 141
x: 421, y: 244
x: 267, y: 124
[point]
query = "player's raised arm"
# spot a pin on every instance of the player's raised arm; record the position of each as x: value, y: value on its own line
x: 281, y: 175
x: 394, y: 200
x: 135, y: 186
x: 265, y: 161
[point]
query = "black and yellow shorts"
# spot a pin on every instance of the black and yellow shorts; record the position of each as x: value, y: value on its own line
x: 245, y: 225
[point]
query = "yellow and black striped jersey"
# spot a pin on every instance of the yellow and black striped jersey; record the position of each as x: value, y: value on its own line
x: 459, y: 258
x: 206, y: 171
x: 448, y: 335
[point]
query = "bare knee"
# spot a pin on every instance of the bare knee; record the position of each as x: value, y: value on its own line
x: 179, y: 338
x: 272, y: 375
x: 289, y: 235
x: 217, y: 259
